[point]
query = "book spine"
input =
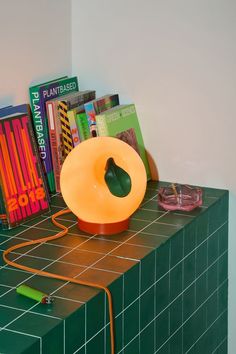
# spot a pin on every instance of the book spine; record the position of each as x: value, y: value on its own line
x: 82, y: 124
x: 4, y: 225
x: 73, y: 127
x: 22, y: 181
x: 90, y: 113
x: 41, y: 131
x: 54, y: 137
x: 65, y: 127
x: 101, y: 125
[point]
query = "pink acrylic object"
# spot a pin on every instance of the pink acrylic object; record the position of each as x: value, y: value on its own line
x: 179, y: 197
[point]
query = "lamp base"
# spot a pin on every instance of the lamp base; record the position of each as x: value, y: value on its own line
x: 103, y: 229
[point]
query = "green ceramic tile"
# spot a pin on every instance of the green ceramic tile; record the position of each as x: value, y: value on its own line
x: 200, y: 318
x: 57, y: 200
x: 189, y: 269
x: 81, y: 350
x: 201, y: 258
x: 201, y: 289
x: 176, y: 314
x: 218, y: 214
x: 13, y: 232
x: 176, y: 281
x: 189, y: 301
x: 116, y: 288
x: 223, y: 268
x: 69, y: 241
x: 160, y: 229
x: 81, y: 257
x: 137, y: 225
x: 8, y: 314
x: 162, y: 260
x: 162, y: 328
x: 121, y: 237
x: 189, y: 333
x: 147, y: 339
x: 118, y: 321
x: 222, y: 297
x: 176, y: 248
x: 222, y: 326
x: 162, y: 293
x: 164, y: 349
x: 147, y: 307
x: 70, y: 270
x: 44, y: 284
x: 131, y: 284
x: 146, y: 214
x: 97, y: 276
x: 132, y: 347
x: 211, y: 309
x: 3, y: 290
x: 115, y: 264
x: 213, y: 246
x: 150, y: 193
x: 175, y: 219
x: 96, y: 344
x: 50, y: 328
x: 189, y: 237
x: 75, y: 330
x: 202, y: 228
x: 223, y: 238
x: 149, y: 240
x: 176, y: 344
x: 95, y: 315
x: 13, y: 299
x: 223, y: 348
x: 48, y: 251
x: 131, y: 251
x: 153, y: 205
x: 212, y: 276
x: 30, y: 261
x: 147, y: 271
x: 77, y: 292
x: 131, y: 322
x: 16, y: 343
x: 12, y: 277
x: 3, y: 239
x: 101, y: 246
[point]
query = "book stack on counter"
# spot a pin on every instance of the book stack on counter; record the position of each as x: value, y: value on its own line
x: 23, y: 190
x: 35, y: 142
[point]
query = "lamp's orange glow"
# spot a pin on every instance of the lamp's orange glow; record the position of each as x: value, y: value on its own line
x: 83, y: 186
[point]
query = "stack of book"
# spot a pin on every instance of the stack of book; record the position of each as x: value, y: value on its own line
x: 34, y: 143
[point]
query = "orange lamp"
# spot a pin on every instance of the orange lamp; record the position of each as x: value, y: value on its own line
x: 103, y: 181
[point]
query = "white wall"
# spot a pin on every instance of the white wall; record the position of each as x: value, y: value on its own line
x: 176, y: 61
x: 35, y: 37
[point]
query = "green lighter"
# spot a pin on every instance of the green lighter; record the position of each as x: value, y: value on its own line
x: 34, y: 294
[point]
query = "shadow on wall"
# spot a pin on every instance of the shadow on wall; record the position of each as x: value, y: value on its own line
x: 6, y: 101
x: 153, y: 167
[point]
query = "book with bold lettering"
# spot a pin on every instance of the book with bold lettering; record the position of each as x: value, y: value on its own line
x: 41, y: 129
x: 98, y: 106
x: 24, y: 193
x: 61, y: 138
x: 122, y: 122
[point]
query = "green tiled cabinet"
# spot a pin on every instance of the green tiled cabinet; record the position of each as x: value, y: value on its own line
x: 167, y: 274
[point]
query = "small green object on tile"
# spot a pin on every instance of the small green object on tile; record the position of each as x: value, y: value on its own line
x: 34, y: 294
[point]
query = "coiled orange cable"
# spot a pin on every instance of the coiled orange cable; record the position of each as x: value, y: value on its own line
x: 58, y: 276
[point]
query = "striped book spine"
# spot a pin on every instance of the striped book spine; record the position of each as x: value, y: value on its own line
x: 65, y: 127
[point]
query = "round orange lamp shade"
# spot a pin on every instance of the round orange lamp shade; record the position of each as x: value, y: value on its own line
x: 83, y: 184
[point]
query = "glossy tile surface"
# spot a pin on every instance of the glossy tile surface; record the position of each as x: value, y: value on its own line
x: 167, y: 274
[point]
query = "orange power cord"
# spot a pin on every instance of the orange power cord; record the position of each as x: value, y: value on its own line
x: 58, y: 276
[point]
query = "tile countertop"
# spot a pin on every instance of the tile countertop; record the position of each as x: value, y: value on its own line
x: 166, y: 273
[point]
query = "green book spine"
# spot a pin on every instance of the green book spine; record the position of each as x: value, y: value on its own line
x: 41, y: 130
x: 83, y: 127
x: 122, y: 122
